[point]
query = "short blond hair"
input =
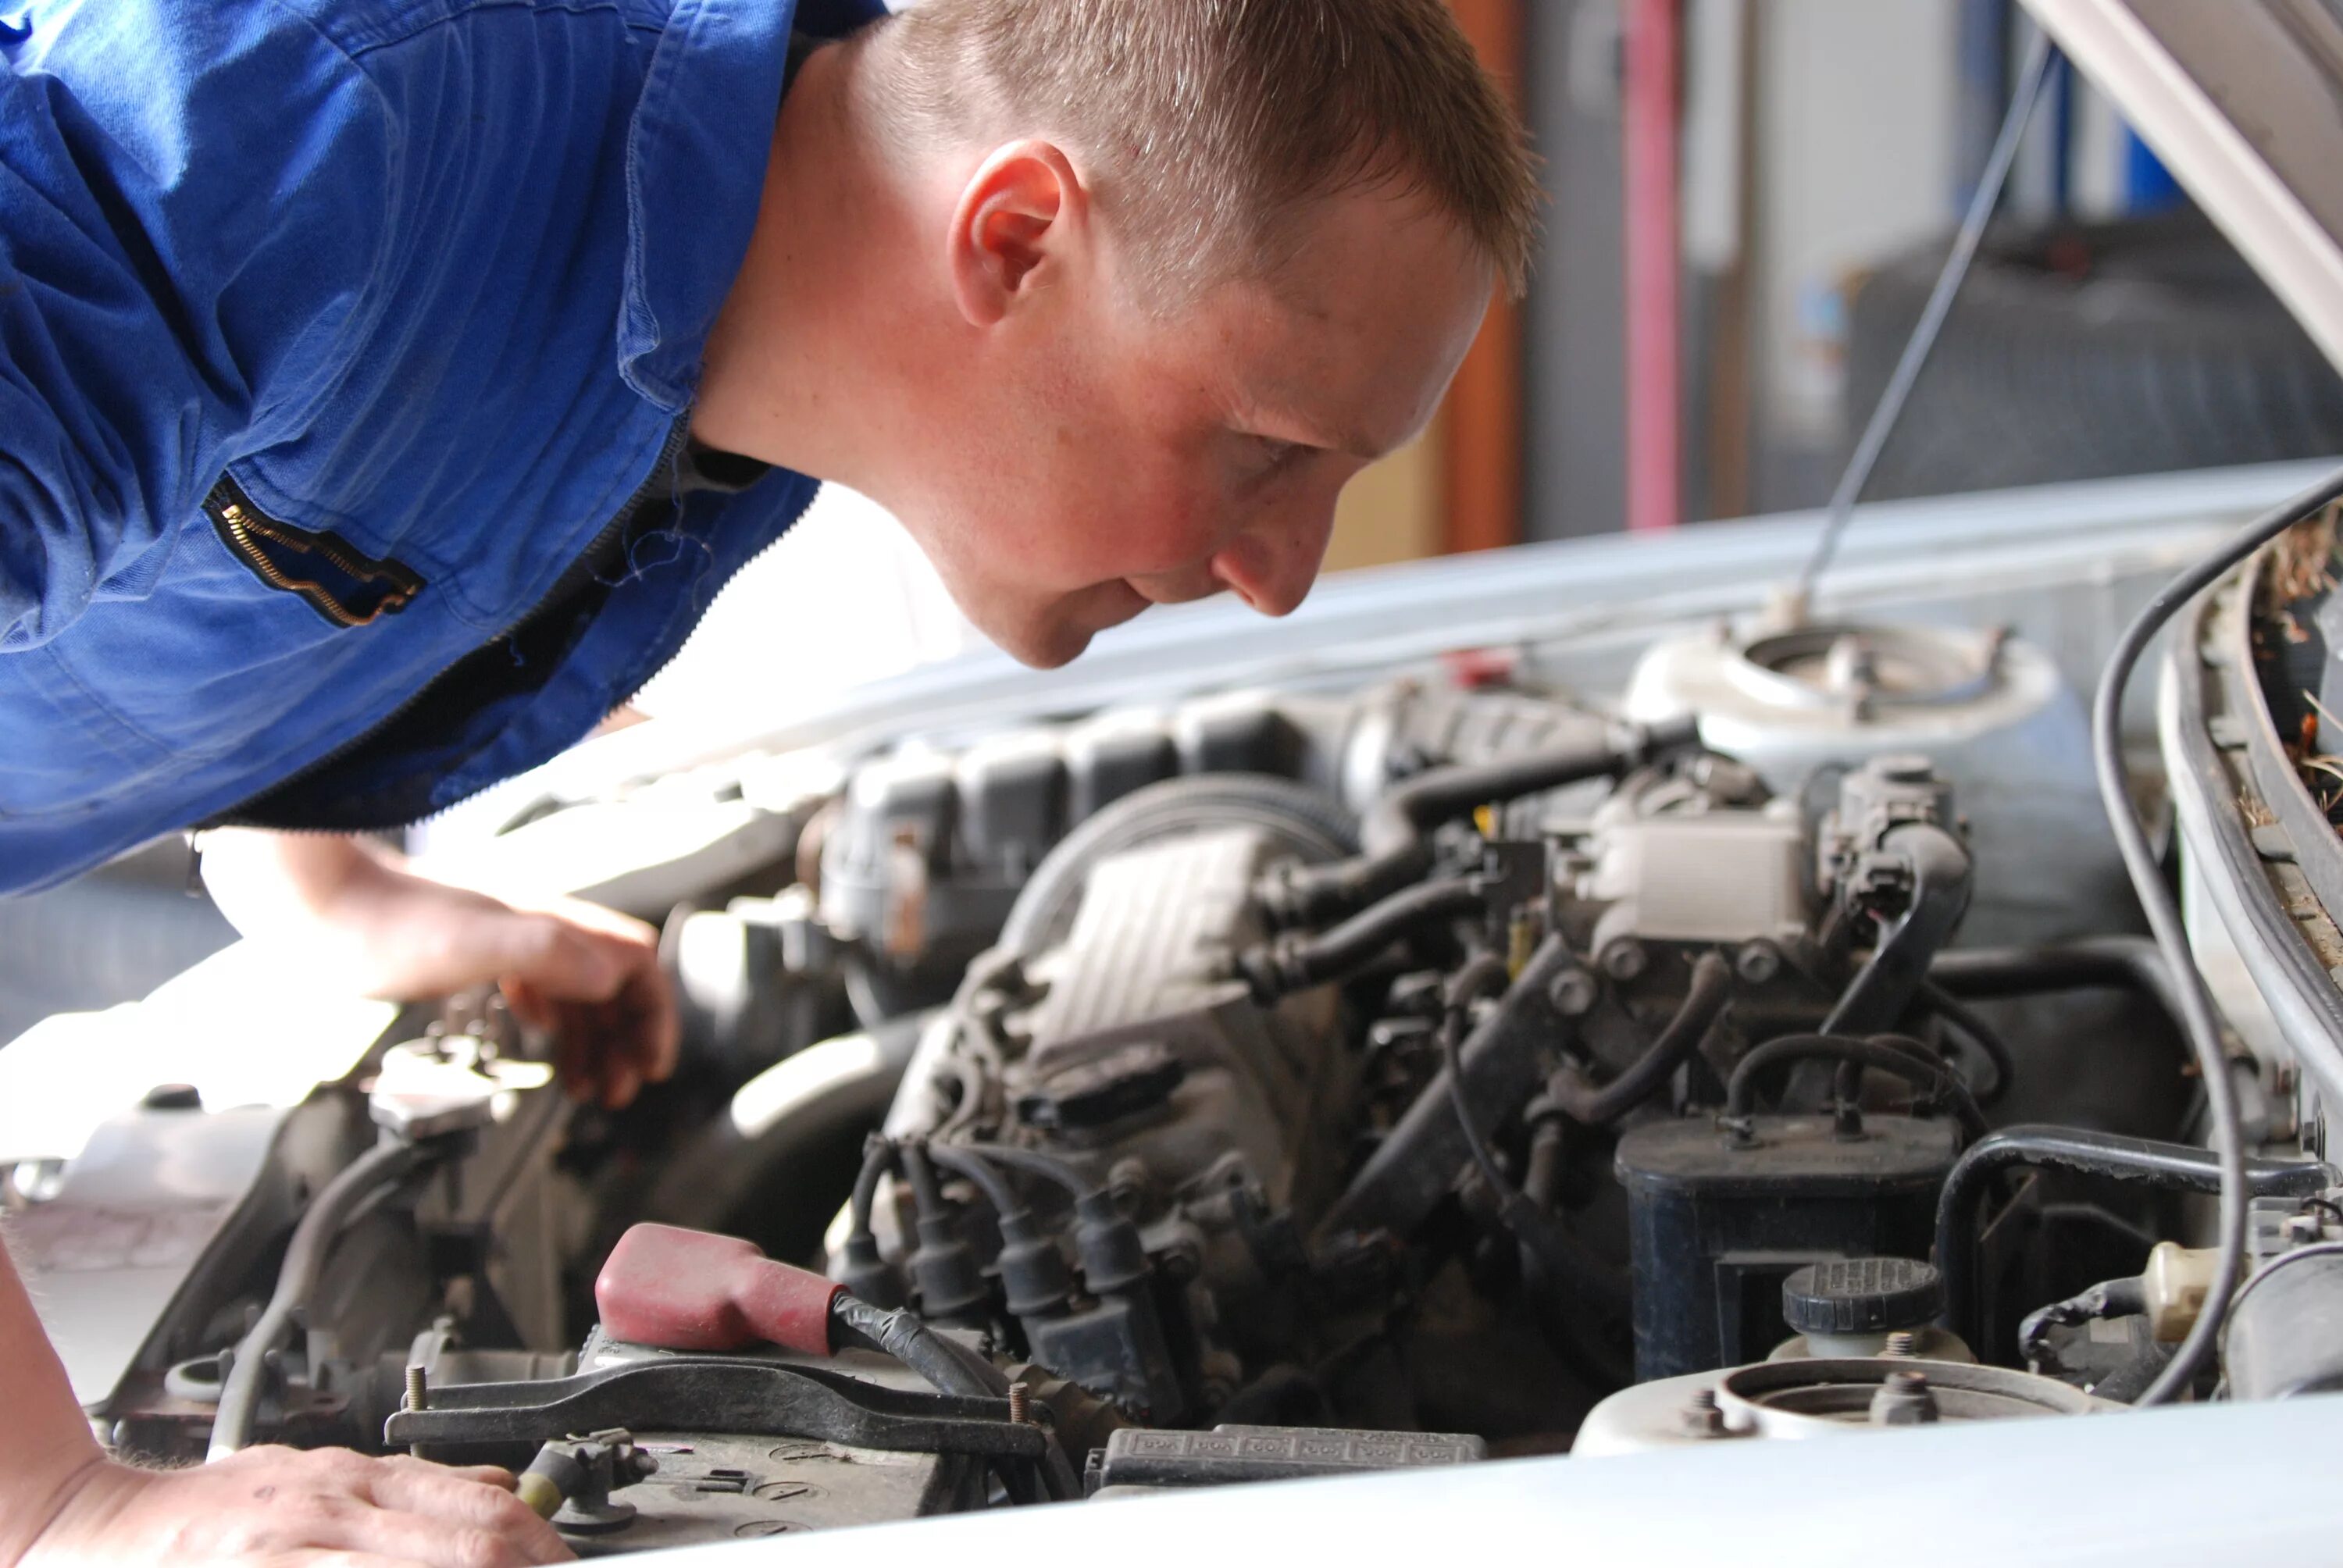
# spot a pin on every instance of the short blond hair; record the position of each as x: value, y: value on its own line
x: 1206, y: 124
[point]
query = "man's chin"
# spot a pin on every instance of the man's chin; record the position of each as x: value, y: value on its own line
x: 1053, y: 643
x: 1040, y: 645
x: 1055, y: 652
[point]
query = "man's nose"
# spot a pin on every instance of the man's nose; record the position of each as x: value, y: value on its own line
x: 1271, y: 568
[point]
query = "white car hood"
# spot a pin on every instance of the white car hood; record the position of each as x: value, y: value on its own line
x: 2243, y: 100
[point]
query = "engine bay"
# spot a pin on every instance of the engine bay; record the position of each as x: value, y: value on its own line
x: 1290, y: 1083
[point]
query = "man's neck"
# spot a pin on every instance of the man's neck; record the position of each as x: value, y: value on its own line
x: 799, y: 360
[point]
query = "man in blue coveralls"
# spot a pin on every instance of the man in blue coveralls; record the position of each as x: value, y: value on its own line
x: 387, y: 385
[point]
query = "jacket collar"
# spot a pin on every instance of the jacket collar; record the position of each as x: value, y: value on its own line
x: 696, y: 155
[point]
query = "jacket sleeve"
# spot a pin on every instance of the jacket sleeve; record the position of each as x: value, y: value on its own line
x: 192, y: 212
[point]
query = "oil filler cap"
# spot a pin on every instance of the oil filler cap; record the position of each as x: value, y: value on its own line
x: 1862, y: 1296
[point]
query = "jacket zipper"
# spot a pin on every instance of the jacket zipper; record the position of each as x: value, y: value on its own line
x: 570, y: 577
x: 243, y: 525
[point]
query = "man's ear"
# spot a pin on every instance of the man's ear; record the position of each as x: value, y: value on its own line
x: 1019, y: 220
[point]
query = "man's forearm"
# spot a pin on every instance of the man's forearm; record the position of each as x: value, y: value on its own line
x: 46, y: 1448
x: 354, y: 914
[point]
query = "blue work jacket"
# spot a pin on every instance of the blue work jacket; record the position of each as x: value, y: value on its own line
x: 347, y: 349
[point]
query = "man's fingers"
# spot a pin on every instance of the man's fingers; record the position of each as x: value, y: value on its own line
x: 430, y: 1543
x: 599, y: 991
x: 661, y: 1030
x: 563, y: 960
x: 422, y: 1502
x: 621, y: 1081
x: 494, y: 1476
x: 529, y: 1005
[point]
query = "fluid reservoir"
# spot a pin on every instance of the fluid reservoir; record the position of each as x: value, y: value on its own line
x: 1718, y: 1219
x: 1992, y: 712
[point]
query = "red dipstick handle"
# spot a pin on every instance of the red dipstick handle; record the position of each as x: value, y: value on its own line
x: 688, y: 1290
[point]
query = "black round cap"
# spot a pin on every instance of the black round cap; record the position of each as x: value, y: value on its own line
x: 1862, y: 1296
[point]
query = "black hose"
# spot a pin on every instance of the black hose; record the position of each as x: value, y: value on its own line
x: 296, y: 1279
x: 1882, y: 990
x: 949, y: 1368
x: 1964, y: 1021
x: 1908, y: 1059
x: 2203, y: 1025
x: 900, y: 1333
x: 2124, y: 1298
x: 927, y: 1196
x: 878, y: 1159
x: 1293, y: 961
x: 1567, y: 1278
x: 2104, y: 1154
x: 1394, y: 835
x: 1484, y: 975
x: 964, y: 1162
x: 1049, y: 1167
x: 1703, y: 1004
x: 2118, y: 963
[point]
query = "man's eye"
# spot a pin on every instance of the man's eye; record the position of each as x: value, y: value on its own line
x: 1271, y: 455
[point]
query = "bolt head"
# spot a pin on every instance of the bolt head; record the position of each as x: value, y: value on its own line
x: 1701, y: 1416
x: 1626, y: 959
x: 1574, y: 993
x: 1757, y: 962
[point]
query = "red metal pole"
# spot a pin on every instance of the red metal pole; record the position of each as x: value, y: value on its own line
x: 1654, y: 418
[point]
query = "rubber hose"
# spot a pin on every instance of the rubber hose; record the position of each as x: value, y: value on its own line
x: 964, y: 1162
x: 901, y: 1335
x: 1049, y: 1167
x: 1485, y: 975
x: 297, y: 1280
x: 1394, y: 835
x: 877, y: 1158
x: 1964, y: 1020
x: 1909, y: 1061
x: 1703, y: 1004
x: 1294, y: 962
x: 927, y: 1198
x: 2109, y: 1299
x: 2106, y: 1154
x: 1552, y: 1256
x: 1942, y: 872
x: 2124, y: 963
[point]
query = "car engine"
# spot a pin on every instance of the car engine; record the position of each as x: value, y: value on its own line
x: 1286, y: 1084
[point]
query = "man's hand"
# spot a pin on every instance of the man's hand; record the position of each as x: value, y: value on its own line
x: 341, y: 908
x: 295, y: 1510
